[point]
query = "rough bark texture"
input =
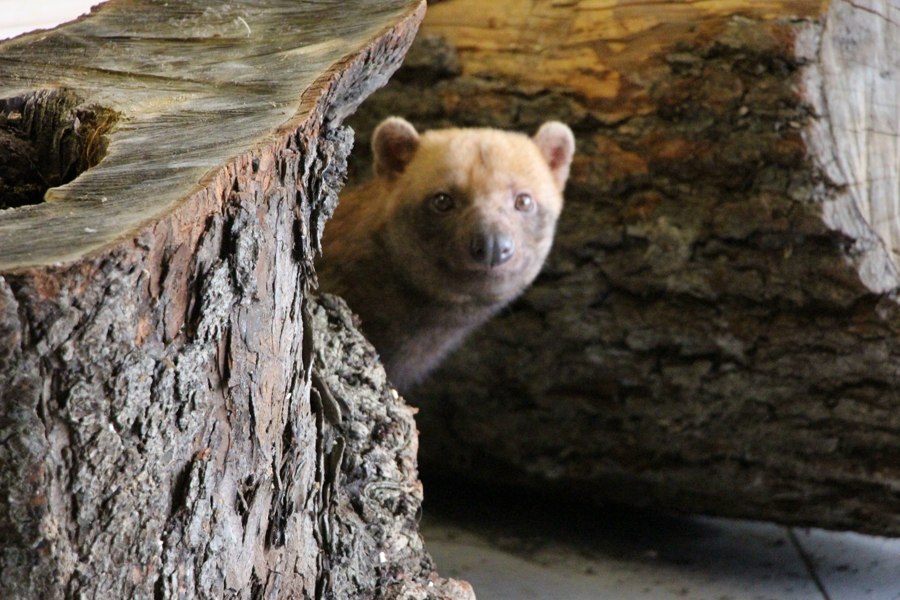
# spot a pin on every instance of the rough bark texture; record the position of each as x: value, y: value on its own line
x: 159, y: 434
x: 375, y: 550
x: 716, y: 329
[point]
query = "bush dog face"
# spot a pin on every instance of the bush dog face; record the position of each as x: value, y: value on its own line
x: 454, y: 225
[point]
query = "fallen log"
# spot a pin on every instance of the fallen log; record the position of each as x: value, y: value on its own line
x: 178, y: 418
x: 716, y: 329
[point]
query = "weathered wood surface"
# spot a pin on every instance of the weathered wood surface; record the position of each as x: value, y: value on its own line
x: 716, y: 329
x: 157, y: 344
x: 196, y: 85
x: 372, y: 497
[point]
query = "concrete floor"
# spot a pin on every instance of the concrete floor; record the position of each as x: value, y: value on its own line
x: 520, y: 548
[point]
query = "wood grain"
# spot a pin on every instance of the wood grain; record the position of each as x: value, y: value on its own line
x: 197, y: 84
x: 602, y: 51
x: 852, y: 86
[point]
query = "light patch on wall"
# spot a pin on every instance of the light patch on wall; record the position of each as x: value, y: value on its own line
x: 21, y: 16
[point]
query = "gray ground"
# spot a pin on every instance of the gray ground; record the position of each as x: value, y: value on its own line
x: 520, y: 548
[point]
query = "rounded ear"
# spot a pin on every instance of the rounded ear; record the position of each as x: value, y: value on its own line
x: 557, y: 143
x: 393, y: 144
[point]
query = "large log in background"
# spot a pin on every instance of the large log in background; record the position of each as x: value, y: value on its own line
x: 158, y: 346
x: 716, y: 329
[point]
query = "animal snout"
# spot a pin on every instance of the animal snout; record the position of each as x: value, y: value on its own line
x: 492, y: 249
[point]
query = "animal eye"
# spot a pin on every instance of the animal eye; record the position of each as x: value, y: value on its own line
x: 442, y: 202
x: 524, y: 203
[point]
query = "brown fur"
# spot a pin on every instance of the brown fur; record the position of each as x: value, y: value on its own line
x: 411, y: 271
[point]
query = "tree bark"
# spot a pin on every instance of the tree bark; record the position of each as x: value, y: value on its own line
x: 179, y: 419
x: 716, y: 328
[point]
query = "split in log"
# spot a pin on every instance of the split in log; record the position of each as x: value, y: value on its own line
x: 716, y: 329
x: 157, y: 343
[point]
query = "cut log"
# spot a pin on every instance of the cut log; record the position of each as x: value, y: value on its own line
x: 158, y: 347
x: 716, y: 329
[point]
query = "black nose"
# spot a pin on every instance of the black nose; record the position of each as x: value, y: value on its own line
x: 492, y: 249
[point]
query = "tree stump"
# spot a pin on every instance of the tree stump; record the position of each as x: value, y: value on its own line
x: 716, y: 329
x: 158, y: 345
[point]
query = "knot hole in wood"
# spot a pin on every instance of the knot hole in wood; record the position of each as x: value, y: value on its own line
x: 47, y: 139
